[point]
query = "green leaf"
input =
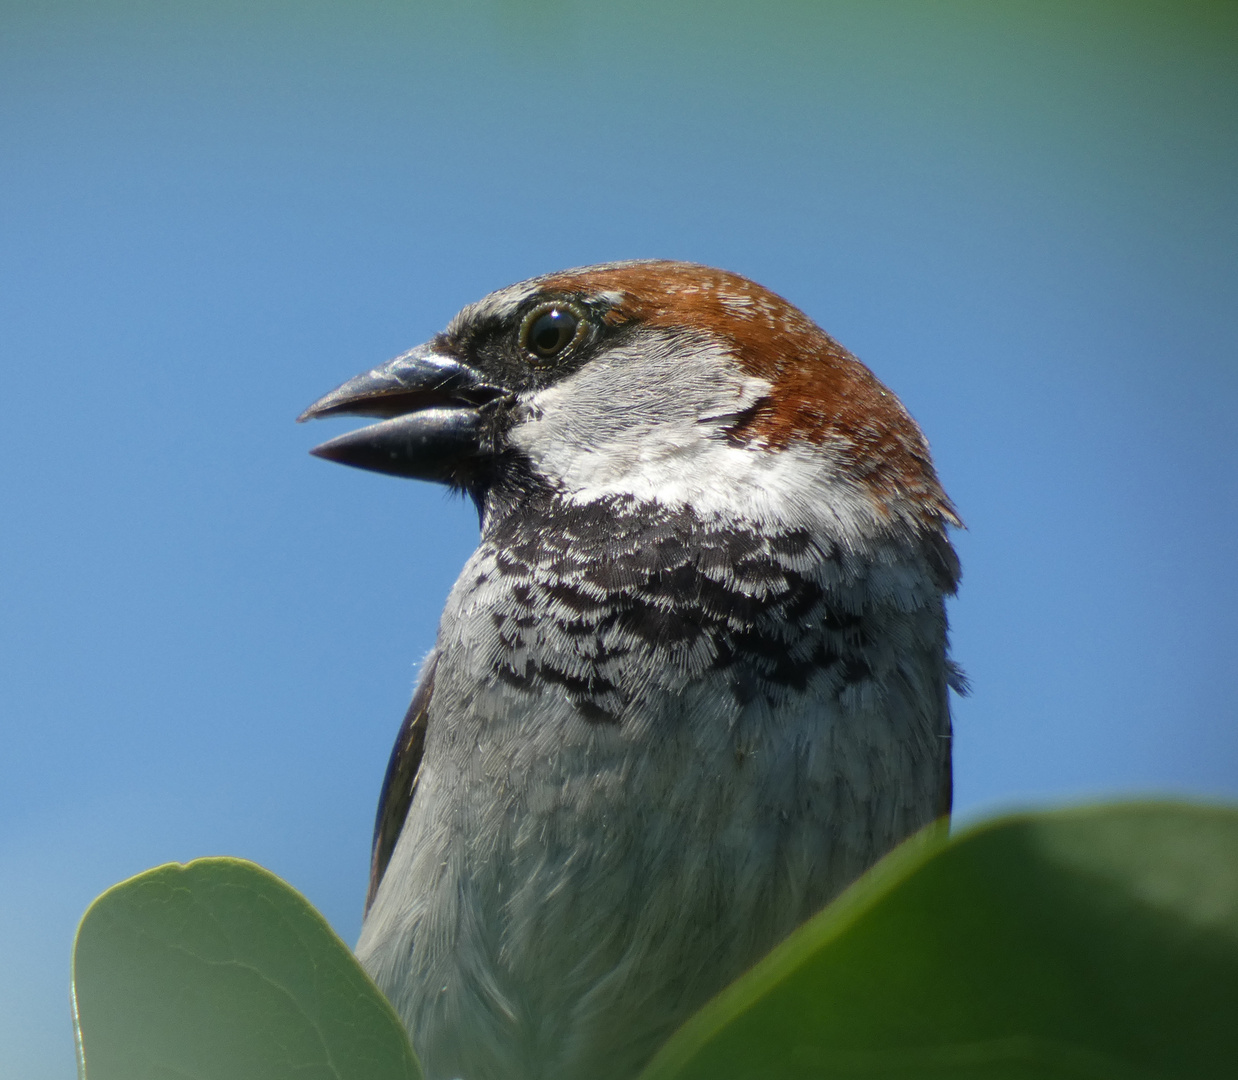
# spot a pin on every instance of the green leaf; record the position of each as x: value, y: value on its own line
x: 217, y: 970
x: 1087, y: 943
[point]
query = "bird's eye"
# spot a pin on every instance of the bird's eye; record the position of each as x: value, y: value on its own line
x: 549, y: 330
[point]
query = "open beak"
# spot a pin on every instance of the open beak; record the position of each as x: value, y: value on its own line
x: 436, y: 424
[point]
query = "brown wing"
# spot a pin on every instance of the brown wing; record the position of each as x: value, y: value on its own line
x: 401, y: 780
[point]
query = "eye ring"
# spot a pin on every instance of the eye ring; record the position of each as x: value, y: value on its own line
x: 550, y: 330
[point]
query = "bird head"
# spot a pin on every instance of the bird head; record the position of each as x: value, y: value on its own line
x: 656, y: 381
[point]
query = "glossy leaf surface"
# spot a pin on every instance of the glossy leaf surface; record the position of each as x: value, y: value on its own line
x: 1087, y: 943
x: 217, y: 970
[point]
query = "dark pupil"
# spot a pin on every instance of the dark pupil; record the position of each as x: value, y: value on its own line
x: 552, y: 332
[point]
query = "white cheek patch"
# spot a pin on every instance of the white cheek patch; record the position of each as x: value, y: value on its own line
x: 633, y: 419
x: 651, y: 423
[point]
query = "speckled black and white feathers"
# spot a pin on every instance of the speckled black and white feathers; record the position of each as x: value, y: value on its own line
x: 593, y: 589
x: 588, y: 599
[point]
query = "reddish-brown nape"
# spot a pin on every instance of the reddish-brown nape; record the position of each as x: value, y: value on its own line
x: 822, y: 394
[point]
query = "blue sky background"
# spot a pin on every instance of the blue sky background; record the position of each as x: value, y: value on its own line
x: 1022, y: 216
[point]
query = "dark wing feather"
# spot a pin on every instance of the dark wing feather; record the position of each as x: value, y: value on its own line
x: 956, y: 680
x: 945, y: 791
x: 401, y: 780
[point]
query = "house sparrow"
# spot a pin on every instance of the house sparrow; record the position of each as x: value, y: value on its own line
x: 691, y: 684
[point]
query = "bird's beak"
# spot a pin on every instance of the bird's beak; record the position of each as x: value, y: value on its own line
x: 436, y: 422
